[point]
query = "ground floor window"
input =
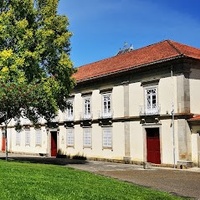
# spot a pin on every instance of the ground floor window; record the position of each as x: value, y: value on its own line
x: 38, y: 139
x: 70, y: 137
x: 27, y: 137
x: 18, y: 138
x: 107, y: 137
x: 87, y: 137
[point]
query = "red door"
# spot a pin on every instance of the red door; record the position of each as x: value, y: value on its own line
x: 53, y: 143
x: 153, y: 145
x: 3, y: 146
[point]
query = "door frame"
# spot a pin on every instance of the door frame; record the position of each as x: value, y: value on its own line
x: 3, y: 141
x: 55, y: 141
x: 145, y: 140
x: 49, y: 130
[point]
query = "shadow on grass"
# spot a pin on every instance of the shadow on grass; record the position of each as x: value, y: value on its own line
x: 45, y: 160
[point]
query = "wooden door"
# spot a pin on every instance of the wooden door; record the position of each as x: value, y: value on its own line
x: 3, y: 144
x: 53, y: 143
x: 153, y: 145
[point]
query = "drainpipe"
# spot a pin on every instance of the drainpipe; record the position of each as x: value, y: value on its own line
x: 173, y: 135
x: 172, y: 124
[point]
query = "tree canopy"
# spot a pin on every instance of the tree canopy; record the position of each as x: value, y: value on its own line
x: 35, y: 66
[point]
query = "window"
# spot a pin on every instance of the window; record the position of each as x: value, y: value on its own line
x: 27, y: 137
x: 87, y: 108
x: 70, y: 137
x: 106, y: 112
x: 87, y: 137
x: 151, y: 101
x: 18, y: 138
x: 107, y: 137
x: 70, y: 110
x: 38, y: 137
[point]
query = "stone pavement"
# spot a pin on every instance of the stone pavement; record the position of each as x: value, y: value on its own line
x: 182, y: 182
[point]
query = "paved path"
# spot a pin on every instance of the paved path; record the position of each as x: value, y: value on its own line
x: 183, y: 182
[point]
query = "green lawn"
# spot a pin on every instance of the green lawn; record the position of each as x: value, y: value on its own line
x: 24, y: 181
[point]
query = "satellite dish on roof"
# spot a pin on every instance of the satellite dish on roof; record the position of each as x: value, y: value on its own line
x: 126, y: 48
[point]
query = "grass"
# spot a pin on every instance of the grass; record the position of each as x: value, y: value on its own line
x: 22, y: 181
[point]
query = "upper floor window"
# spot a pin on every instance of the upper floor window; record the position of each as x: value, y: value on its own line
x: 151, y: 100
x: 106, y: 105
x: 70, y: 110
x: 87, y: 107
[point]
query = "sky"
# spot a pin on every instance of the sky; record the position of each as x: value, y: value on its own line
x: 101, y: 27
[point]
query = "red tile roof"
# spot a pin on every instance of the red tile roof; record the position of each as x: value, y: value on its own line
x: 195, y: 118
x: 155, y: 53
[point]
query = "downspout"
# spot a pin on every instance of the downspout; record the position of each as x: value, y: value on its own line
x: 172, y: 124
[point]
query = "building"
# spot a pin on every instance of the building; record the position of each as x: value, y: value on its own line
x: 138, y: 106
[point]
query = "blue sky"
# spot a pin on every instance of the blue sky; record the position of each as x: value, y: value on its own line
x: 101, y: 27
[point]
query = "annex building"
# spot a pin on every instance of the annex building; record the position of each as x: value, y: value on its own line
x: 138, y: 106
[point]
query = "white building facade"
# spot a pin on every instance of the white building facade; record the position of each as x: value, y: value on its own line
x: 138, y: 106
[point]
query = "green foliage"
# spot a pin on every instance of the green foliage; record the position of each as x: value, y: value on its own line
x: 36, y: 181
x: 79, y: 157
x: 35, y: 67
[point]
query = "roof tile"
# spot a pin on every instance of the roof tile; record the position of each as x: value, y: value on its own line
x: 195, y: 118
x: 157, y: 52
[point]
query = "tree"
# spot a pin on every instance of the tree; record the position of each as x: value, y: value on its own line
x: 35, y: 66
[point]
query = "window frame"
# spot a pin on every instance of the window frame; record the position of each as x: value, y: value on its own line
x: 38, y: 137
x: 87, y: 135
x: 18, y: 138
x: 70, y: 110
x: 107, y: 140
x: 149, y: 106
x: 106, y: 105
x: 70, y: 137
x: 87, y: 107
x: 27, y: 137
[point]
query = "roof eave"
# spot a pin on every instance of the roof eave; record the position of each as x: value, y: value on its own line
x: 131, y: 68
